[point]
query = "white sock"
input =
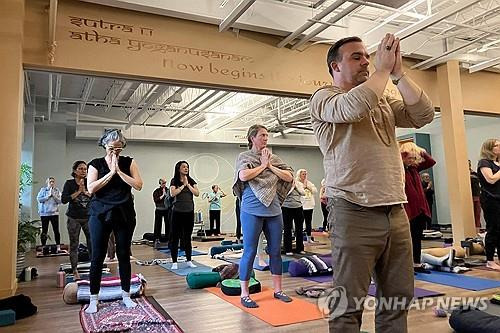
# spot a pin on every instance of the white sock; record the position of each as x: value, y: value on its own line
x: 58, y: 248
x: 92, y: 308
x: 174, y: 266
x: 190, y: 264
x: 127, y: 301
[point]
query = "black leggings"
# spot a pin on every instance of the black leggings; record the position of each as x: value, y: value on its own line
x: 293, y: 216
x: 214, y: 216
x: 54, y: 220
x: 182, y: 228
x: 308, y: 216
x: 324, y: 209
x: 491, y: 211
x: 417, y: 226
x: 238, y: 219
x: 100, y: 231
x: 159, y: 215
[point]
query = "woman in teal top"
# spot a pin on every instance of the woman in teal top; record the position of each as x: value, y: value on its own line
x: 215, y: 201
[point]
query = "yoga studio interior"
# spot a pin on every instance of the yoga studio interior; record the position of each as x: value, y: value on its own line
x: 232, y: 159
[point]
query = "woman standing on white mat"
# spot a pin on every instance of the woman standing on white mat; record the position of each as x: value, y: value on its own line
x: 111, y: 179
x: 182, y: 189
x: 308, y: 201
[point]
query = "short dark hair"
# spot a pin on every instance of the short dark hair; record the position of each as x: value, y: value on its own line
x: 333, y: 52
x: 75, y: 166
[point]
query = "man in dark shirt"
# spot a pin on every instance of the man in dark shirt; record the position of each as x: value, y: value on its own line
x: 161, y: 211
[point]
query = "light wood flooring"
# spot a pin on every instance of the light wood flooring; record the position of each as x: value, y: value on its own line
x: 197, y: 310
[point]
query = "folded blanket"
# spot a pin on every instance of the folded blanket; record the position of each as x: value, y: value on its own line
x: 111, y: 281
x: 107, y: 293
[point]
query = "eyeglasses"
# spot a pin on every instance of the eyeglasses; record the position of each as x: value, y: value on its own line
x: 115, y: 149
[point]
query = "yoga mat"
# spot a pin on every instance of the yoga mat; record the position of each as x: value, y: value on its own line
x: 285, y: 263
x: 418, y: 292
x: 184, y: 270
x: 183, y: 254
x: 58, y: 254
x: 273, y: 311
x: 113, y: 316
x: 458, y: 281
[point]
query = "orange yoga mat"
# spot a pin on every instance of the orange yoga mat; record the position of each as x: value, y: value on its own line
x: 274, y: 311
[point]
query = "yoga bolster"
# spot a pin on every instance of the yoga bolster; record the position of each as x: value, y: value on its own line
x: 297, y: 268
x: 442, y: 251
x: 232, y: 287
x: 221, y: 249
x: 69, y: 293
x: 199, y: 280
x: 473, y: 320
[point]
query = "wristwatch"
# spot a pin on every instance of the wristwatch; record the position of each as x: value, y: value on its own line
x: 396, y: 81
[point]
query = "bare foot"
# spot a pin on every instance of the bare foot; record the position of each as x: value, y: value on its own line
x: 493, y: 265
x: 76, y: 275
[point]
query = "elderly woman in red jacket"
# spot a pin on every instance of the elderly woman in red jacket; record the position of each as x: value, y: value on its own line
x: 416, y: 159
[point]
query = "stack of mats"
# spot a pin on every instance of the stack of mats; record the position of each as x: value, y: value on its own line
x: 111, y: 288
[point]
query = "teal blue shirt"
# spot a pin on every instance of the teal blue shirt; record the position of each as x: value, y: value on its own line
x: 215, y: 201
x: 251, y: 205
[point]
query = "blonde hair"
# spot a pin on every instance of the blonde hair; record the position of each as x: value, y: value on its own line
x: 297, y: 175
x: 410, y: 148
x: 487, y: 150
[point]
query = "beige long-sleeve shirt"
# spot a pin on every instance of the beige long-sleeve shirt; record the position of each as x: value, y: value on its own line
x: 356, y: 133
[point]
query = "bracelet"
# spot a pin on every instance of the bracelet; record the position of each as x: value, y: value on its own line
x: 396, y: 81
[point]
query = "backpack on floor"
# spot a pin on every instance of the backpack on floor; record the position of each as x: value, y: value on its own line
x: 231, y: 287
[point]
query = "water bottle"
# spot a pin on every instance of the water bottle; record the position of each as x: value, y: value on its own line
x: 61, y: 279
x: 27, y: 274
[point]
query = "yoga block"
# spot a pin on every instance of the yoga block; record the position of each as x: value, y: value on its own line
x: 7, y: 317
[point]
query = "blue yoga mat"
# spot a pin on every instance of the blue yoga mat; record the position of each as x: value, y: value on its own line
x: 183, y: 254
x: 285, y: 263
x: 458, y: 281
x: 184, y: 270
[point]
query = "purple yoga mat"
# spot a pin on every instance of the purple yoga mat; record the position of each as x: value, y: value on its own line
x: 418, y: 293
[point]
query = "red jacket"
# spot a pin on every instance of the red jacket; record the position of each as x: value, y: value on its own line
x: 417, y: 204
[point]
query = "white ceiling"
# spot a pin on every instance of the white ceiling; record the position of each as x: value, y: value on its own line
x: 431, y: 30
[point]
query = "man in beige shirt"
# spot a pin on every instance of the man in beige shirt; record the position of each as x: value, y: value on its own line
x: 354, y: 124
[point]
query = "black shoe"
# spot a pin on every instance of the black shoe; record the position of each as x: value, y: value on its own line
x: 420, y: 269
x: 282, y: 296
x: 248, y: 302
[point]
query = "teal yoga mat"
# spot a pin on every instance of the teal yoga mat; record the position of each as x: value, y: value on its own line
x: 184, y: 270
x: 458, y: 281
x: 183, y: 254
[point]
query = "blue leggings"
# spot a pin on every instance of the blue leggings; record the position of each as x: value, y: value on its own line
x: 252, y: 227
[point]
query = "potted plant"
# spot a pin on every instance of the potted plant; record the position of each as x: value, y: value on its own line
x: 27, y: 231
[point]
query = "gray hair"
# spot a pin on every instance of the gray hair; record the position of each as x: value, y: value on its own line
x: 111, y: 135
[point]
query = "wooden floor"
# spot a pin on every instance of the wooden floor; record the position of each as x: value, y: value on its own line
x: 197, y: 310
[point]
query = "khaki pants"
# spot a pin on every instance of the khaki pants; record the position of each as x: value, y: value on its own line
x: 371, y: 242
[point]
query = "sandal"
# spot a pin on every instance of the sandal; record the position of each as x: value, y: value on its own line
x: 282, y: 296
x: 247, y: 302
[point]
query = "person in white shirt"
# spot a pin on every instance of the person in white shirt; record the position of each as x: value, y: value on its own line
x: 308, y: 202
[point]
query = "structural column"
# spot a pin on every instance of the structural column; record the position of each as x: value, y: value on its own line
x: 455, y: 148
x: 11, y: 108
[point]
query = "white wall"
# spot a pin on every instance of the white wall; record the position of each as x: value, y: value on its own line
x: 477, y: 130
x: 56, y: 149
